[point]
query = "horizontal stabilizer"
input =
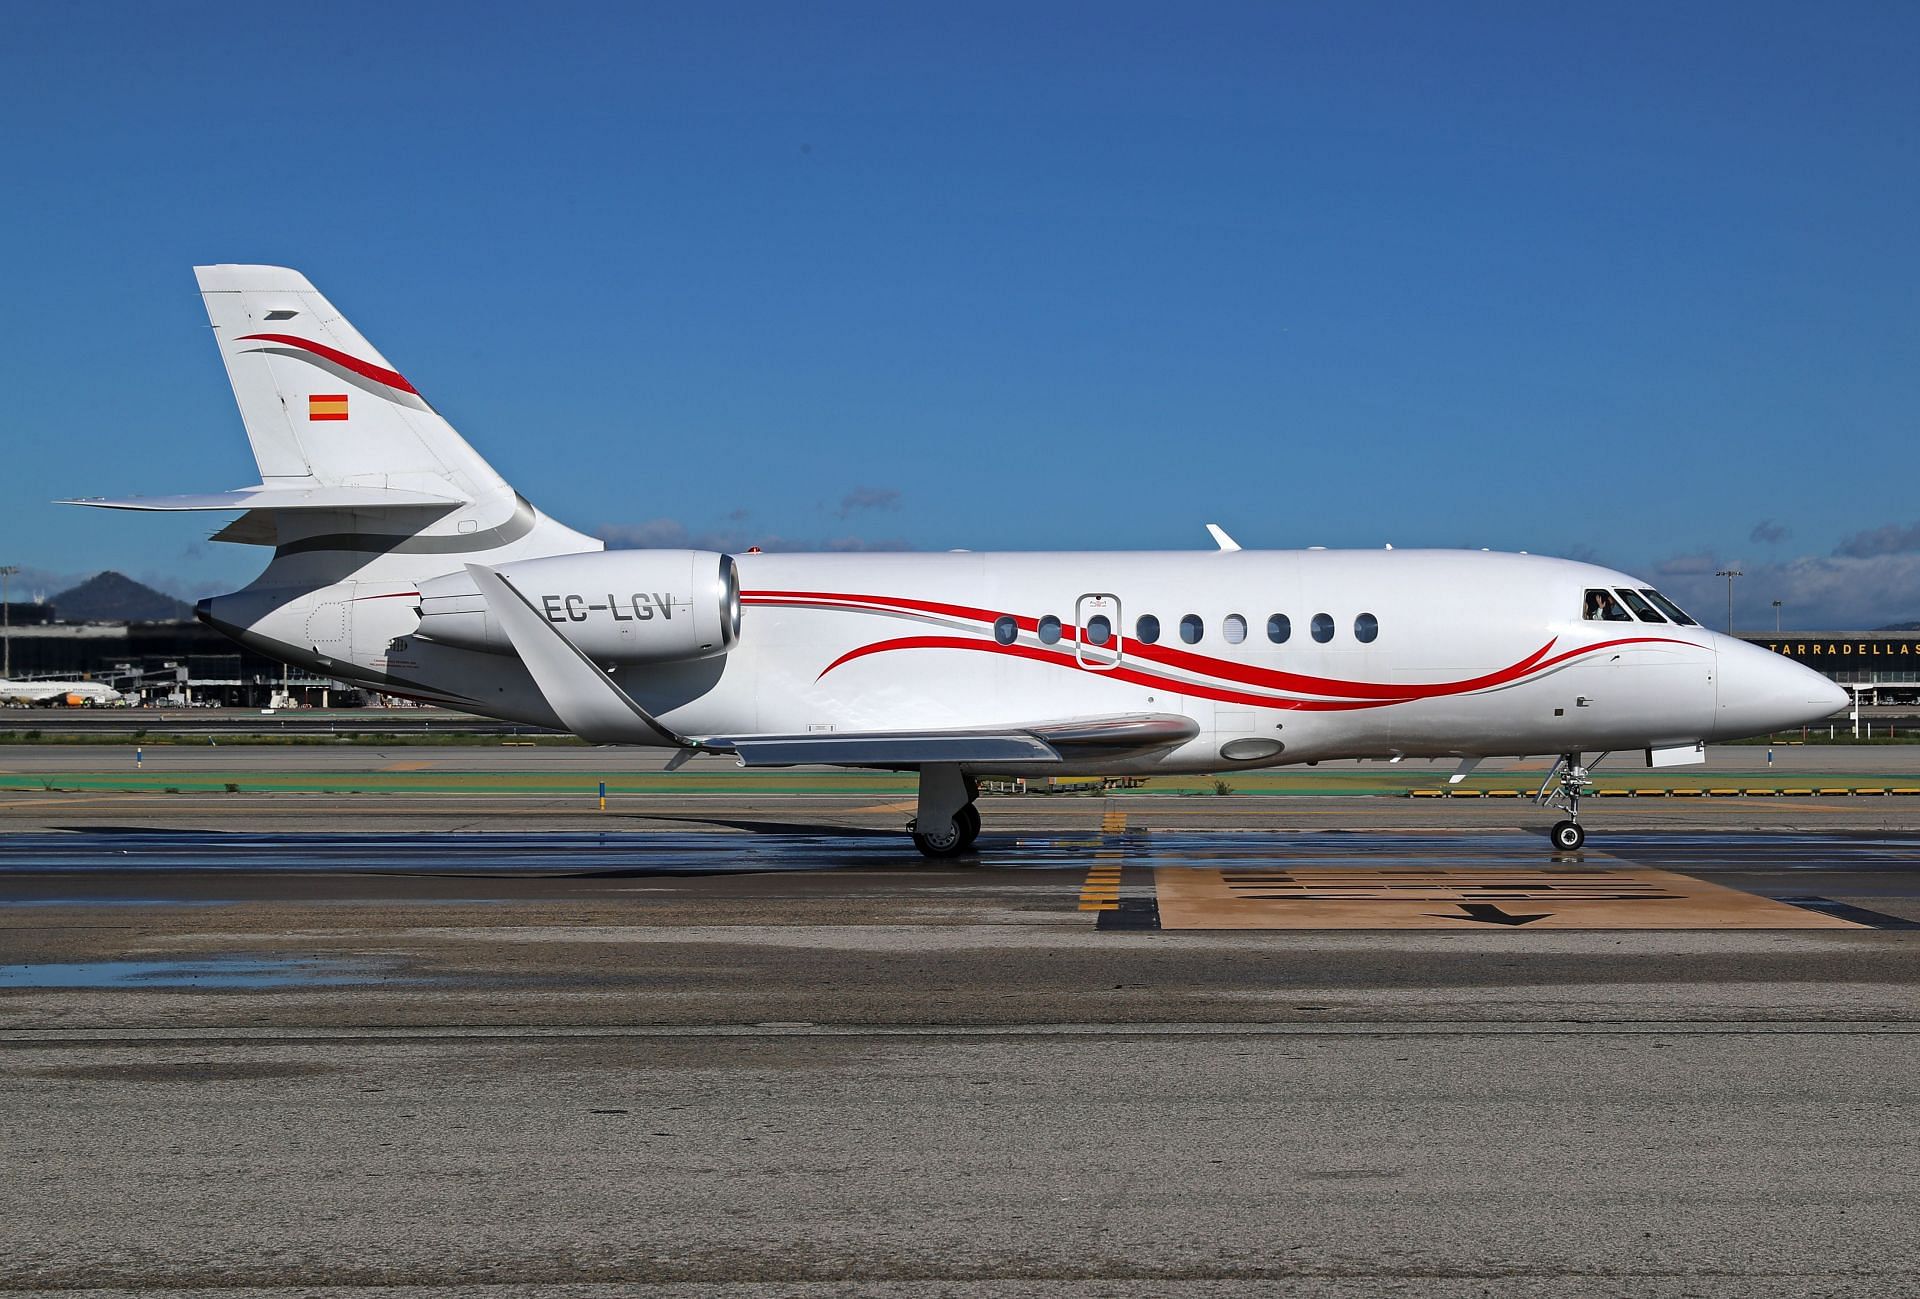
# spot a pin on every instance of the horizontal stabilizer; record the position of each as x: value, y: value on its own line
x: 280, y: 498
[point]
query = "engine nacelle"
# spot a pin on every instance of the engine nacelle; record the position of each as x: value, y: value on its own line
x: 617, y: 606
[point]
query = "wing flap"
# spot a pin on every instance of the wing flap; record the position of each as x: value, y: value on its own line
x: 903, y: 749
x: 1066, y: 741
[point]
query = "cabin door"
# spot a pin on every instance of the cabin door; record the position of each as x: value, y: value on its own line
x: 1097, y: 638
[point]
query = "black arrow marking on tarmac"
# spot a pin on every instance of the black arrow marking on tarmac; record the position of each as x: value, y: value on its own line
x: 1487, y: 913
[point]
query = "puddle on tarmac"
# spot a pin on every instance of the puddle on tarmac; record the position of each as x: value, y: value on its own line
x: 216, y: 972
x: 6, y: 903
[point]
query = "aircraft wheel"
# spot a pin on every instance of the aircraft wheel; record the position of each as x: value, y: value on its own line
x: 950, y: 843
x: 968, y: 818
x: 1568, y: 835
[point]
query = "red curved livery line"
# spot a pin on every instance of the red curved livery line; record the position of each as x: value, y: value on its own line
x: 365, y: 369
x: 1337, y: 695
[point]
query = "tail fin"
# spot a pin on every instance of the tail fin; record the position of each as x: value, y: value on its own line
x: 322, y: 407
x: 358, y: 472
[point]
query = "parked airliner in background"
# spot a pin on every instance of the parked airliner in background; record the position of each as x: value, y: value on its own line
x: 75, y: 694
x: 404, y: 563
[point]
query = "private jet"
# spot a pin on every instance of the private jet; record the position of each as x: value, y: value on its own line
x: 402, y: 562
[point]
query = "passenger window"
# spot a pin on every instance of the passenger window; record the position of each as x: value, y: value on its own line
x: 1668, y: 607
x: 1192, y: 629
x: 1279, y: 627
x: 1322, y: 627
x: 1006, y: 630
x: 1602, y: 607
x: 1049, y: 629
x: 1099, y: 630
x: 1234, y: 628
x: 1644, y: 611
x: 1366, y: 628
x: 1147, y: 630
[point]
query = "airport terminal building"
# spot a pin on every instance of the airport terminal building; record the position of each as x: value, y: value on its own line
x: 1889, y: 661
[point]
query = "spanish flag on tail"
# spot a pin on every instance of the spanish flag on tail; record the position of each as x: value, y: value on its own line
x: 327, y: 405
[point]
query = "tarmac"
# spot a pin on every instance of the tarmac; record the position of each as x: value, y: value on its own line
x: 477, y: 1033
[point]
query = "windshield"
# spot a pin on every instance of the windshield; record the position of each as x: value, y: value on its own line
x: 1668, y: 607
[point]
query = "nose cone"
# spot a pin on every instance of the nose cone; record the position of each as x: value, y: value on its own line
x: 1761, y: 691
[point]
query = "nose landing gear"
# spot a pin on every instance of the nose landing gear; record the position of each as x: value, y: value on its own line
x: 1563, y: 788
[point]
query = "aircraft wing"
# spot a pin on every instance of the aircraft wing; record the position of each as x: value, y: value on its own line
x: 589, y: 704
x: 1045, y: 742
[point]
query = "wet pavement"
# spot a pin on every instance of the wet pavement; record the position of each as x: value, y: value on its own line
x: 804, y: 1061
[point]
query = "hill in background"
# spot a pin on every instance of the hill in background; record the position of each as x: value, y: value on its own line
x: 115, y: 597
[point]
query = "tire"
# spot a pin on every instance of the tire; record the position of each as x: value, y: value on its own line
x: 968, y: 819
x: 951, y: 844
x: 1568, y: 835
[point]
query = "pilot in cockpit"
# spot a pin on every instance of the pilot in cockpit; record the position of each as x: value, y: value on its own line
x: 1602, y: 607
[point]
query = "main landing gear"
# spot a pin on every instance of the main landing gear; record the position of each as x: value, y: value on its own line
x: 946, y: 822
x: 1563, y: 788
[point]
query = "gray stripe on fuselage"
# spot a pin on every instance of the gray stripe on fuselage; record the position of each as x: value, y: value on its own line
x: 405, y: 543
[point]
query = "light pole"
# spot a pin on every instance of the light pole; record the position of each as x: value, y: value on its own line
x: 6, y: 619
x: 1729, y: 574
x: 1776, y: 617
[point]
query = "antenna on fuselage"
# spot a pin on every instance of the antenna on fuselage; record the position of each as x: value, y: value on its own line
x: 1220, y: 537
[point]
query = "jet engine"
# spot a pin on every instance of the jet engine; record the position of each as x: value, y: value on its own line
x: 616, y: 606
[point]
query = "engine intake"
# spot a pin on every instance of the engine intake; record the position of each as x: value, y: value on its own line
x: 619, y: 606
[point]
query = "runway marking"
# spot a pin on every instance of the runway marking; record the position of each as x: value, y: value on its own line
x: 1465, y: 898
x: 1101, y: 890
x: 407, y: 766
x: 1113, y: 823
x: 909, y: 806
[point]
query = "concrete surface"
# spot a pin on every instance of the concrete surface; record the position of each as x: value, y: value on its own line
x: 754, y: 1060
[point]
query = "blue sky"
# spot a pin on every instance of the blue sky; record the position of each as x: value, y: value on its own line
x: 1631, y: 282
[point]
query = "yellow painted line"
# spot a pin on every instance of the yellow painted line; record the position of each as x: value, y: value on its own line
x: 407, y: 766
x: 910, y: 806
x: 1113, y: 822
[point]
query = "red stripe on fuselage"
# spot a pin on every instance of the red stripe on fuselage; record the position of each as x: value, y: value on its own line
x: 1199, y: 664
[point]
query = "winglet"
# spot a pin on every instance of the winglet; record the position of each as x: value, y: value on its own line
x: 585, y: 699
x: 1221, y: 539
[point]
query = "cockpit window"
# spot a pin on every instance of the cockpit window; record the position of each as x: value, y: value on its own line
x: 1602, y: 607
x: 1642, y: 610
x: 1668, y: 607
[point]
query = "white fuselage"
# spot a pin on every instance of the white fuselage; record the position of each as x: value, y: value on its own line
x: 1475, y: 653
